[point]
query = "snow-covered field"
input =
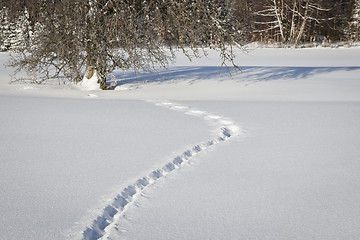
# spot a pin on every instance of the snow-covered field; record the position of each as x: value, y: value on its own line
x: 188, y: 153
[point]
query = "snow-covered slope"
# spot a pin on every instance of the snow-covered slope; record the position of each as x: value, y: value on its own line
x: 111, y: 165
x: 294, y: 176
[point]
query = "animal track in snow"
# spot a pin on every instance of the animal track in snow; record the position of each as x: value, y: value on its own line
x: 225, y: 129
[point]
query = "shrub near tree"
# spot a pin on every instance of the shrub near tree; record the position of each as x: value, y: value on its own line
x: 84, y: 39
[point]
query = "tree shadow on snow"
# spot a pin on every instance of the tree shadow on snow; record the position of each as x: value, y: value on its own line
x: 200, y: 73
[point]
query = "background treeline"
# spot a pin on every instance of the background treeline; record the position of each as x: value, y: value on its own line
x: 299, y: 21
x: 266, y: 21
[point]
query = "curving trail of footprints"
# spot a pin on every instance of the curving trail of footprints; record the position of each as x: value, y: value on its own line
x: 225, y: 129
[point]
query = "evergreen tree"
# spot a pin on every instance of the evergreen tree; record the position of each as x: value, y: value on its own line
x: 11, y: 32
x: 354, y: 25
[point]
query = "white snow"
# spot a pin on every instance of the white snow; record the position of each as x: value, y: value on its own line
x: 188, y: 153
x: 90, y: 84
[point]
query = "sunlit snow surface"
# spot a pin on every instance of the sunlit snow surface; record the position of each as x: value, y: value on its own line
x: 290, y: 169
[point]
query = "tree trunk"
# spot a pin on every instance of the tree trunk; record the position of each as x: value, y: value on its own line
x: 89, y: 71
x: 102, y: 82
x: 293, y: 26
x: 303, y: 24
x: 279, y: 19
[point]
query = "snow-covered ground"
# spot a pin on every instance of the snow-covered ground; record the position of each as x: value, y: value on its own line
x: 188, y: 153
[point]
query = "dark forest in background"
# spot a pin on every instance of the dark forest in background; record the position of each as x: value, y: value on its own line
x: 266, y: 21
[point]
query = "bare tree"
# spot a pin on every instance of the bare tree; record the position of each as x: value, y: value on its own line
x: 80, y: 39
x: 289, y: 19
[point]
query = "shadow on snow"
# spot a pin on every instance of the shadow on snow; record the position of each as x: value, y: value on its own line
x: 201, y: 73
